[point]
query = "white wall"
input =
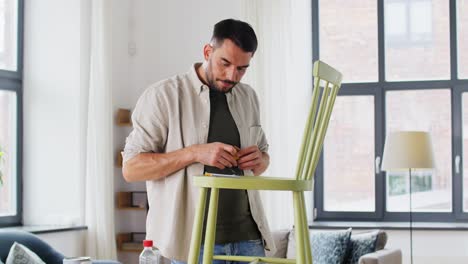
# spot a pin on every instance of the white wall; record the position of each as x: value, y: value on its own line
x: 51, y: 112
x: 66, y: 242
x: 169, y: 36
x: 52, y: 172
x: 431, y: 247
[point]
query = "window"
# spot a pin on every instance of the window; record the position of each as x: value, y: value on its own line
x: 402, y: 70
x: 408, y: 23
x: 465, y: 150
x: 8, y: 34
x: 10, y: 110
x: 350, y: 134
x: 344, y: 36
x: 462, y: 17
x: 417, y: 40
x: 425, y: 110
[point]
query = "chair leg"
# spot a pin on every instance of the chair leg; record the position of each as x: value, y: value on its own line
x: 299, y: 229
x: 308, y: 250
x: 197, y: 228
x: 211, y: 227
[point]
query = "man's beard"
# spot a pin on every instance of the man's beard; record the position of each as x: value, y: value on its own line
x: 212, y: 82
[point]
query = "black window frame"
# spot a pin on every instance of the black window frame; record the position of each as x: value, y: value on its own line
x: 13, y: 81
x: 378, y: 89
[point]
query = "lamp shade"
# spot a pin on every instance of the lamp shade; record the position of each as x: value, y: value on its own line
x: 408, y: 150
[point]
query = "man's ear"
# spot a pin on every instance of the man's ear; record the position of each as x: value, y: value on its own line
x: 207, y: 51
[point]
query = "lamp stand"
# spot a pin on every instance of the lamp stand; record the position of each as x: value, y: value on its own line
x: 411, y: 217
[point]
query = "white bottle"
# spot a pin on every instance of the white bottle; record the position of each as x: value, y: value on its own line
x: 148, y: 256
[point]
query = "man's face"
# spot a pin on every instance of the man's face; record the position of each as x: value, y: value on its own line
x: 226, y: 65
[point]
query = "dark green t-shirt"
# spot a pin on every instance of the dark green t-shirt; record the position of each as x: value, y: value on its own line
x: 234, y: 222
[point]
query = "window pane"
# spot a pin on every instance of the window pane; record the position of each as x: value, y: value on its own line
x: 349, y: 181
x: 465, y: 150
x: 423, y: 110
x: 462, y: 6
x: 417, y: 40
x: 8, y: 147
x: 345, y: 28
x: 8, y: 34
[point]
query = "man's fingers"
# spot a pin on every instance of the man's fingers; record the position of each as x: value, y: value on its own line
x: 247, y: 150
x: 225, y: 162
x: 219, y: 165
x: 231, y: 149
x: 249, y: 157
x: 229, y: 158
x: 249, y: 165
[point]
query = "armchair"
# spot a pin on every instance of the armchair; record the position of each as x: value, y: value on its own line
x: 34, y: 243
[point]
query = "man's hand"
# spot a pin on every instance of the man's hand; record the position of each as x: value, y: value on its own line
x: 251, y: 158
x: 215, y: 154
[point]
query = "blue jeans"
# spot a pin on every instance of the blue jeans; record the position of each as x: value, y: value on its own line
x: 242, y: 248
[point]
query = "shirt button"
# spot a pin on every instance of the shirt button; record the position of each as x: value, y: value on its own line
x: 204, y: 125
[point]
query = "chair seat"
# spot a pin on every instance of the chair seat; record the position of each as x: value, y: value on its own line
x: 253, y: 183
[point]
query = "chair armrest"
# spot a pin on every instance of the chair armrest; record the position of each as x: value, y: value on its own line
x: 105, y: 262
x: 384, y: 256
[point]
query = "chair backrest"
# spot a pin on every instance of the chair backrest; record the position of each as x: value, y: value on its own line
x: 327, y: 82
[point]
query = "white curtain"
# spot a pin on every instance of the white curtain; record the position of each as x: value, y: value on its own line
x: 99, y: 191
x: 281, y: 73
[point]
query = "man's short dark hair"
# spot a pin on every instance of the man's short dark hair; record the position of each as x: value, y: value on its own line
x: 239, y: 32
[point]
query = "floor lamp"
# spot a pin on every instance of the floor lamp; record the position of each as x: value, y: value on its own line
x: 406, y: 151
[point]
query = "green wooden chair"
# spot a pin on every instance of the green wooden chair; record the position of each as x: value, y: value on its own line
x: 314, y: 134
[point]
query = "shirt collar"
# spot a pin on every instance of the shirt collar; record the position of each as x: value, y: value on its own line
x: 197, y: 84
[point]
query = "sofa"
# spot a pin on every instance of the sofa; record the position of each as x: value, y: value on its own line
x: 285, y: 244
x: 47, y: 254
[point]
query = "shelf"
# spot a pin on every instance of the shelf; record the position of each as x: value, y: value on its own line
x: 135, y: 200
x: 124, y: 117
x: 119, y: 159
x: 132, y: 208
x: 130, y: 242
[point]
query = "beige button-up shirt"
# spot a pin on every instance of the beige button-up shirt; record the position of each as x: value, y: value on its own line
x: 173, y: 114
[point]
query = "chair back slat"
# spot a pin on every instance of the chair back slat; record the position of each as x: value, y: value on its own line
x: 318, y: 118
x: 317, y: 129
x: 322, y: 131
x: 313, y: 134
x: 300, y: 173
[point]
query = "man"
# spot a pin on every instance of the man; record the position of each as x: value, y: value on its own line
x: 202, y: 121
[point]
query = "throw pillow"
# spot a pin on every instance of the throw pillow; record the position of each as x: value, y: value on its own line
x: 381, y: 240
x: 20, y: 254
x: 328, y: 247
x: 364, y: 243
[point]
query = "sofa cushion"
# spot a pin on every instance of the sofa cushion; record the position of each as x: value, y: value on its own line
x: 382, y: 238
x: 328, y: 247
x: 20, y: 254
x: 360, y: 245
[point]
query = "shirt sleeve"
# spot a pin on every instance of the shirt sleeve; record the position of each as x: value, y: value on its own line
x: 149, y: 132
x: 262, y: 141
x: 257, y: 131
